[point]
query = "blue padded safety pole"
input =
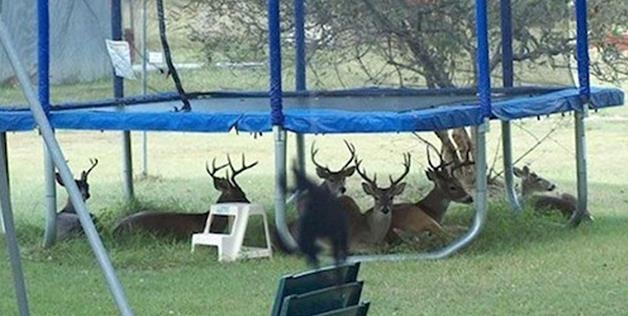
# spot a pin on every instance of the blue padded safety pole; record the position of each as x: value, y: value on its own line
x: 118, y: 92
x: 274, y: 38
x: 300, y: 72
x: 484, y: 82
x: 66, y: 175
x: 582, y: 46
x: 508, y: 81
x: 277, y: 118
x: 43, y: 53
x: 299, y: 36
x: 11, y: 238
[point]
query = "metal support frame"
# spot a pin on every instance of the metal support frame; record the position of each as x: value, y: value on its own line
x: 509, y: 178
x: 581, y: 167
x: 8, y: 225
x: 127, y: 166
x: 280, y: 188
x: 3, y: 148
x: 50, y: 230
x: 57, y: 155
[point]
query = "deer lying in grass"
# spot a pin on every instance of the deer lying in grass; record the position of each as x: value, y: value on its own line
x: 534, y: 191
x: 370, y: 228
x: 427, y: 214
x: 68, y: 223
x: 183, y: 225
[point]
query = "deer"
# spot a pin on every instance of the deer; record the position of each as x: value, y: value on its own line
x: 534, y: 189
x: 427, y: 214
x: 181, y: 226
x: 371, y: 227
x: 333, y: 181
x: 68, y: 223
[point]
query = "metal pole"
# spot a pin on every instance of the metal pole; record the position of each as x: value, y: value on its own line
x: 50, y: 232
x: 127, y: 166
x: 118, y: 92
x: 66, y: 175
x: 300, y: 72
x: 582, y: 50
x: 509, y: 178
x: 280, y: 188
x: 507, y: 82
x: 3, y: 147
x: 8, y: 225
x: 144, y: 83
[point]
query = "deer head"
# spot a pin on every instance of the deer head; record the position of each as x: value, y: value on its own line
x: 444, y: 179
x: 334, y: 181
x: 82, y: 182
x: 384, y: 196
x: 531, y: 182
x: 230, y: 190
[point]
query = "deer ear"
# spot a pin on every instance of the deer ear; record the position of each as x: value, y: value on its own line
x: 348, y: 172
x: 322, y: 173
x: 526, y: 170
x: 59, y: 180
x: 399, y: 188
x: 368, y: 189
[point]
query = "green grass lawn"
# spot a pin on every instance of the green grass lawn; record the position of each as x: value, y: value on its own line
x: 518, y: 265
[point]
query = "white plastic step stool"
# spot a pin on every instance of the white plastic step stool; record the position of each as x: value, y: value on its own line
x: 229, y: 245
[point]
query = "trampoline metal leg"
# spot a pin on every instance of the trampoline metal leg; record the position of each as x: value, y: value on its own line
x: 581, y: 167
x: 300, y: 144
x: 127, y: 166
x: 509, y: 178
x: 3, y: 148
x: 280, y: 188
x: 480, y: 213
x: 7, y: 219
x: 50, y: 232
x: 73, y: 190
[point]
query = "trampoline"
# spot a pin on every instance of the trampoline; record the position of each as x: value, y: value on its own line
x: 363, y: 110
x: 372, y: 110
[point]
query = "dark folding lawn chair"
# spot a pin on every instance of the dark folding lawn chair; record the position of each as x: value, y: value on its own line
x: 326, y: 290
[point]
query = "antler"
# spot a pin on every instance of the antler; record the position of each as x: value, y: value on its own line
x: 466, y: 162
x: 314, y: 151
x: 406, y: 164
x: 442, y: 164
x: 212, y: 173
x: 94, y: 163
x: 372, y: 182
x: 234, y: 172
x: 352, y: 151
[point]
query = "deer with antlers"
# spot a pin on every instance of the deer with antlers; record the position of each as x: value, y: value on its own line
x: 534, y: 189
x: 68, y: 223
x: 183, y: 225
x: 371, y: 227
x: 333, y: 182
x: 427, y: 214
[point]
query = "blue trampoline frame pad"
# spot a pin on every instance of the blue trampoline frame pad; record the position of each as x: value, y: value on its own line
x: 368, y: 110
